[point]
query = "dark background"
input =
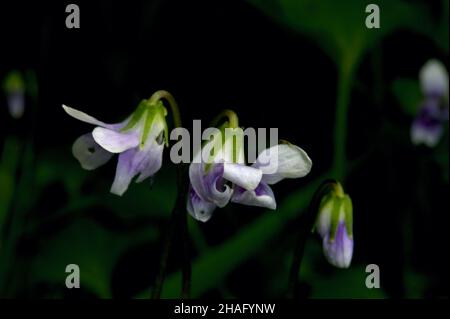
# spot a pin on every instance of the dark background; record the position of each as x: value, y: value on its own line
x: 227, y: 54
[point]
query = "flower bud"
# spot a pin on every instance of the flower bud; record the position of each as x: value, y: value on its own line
x: 14, y: 88
x: 335, y: 226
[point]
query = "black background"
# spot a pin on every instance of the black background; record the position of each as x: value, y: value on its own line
x: 225, y: 54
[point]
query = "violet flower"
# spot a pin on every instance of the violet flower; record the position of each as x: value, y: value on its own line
x: 428, y: 125
x: 212, y: 182
x: 14, y: 87
x: 139, y: 141
x: 335, y: 226
x: 224, y: 180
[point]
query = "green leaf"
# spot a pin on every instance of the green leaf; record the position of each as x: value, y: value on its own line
x: 91, y: 247
x: 8, y: 167
x: 249, y: 241
x: 408, y: 94
x: 339, y: 26
x: 344, y: 283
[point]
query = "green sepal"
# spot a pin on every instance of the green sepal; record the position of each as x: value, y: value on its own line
x: 218, y: 144
x: 155, y: 112
x: 323, y: 202
x: 335, y: 216
x: 13, y: 82
x: 348, y: 210
x: 136, y: 116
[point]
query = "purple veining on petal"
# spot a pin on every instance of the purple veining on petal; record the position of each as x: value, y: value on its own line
x: 210, y: 185
x: 132, y: 162
x: 339, y: 252
x: 198, y: 208
x: 427, y: 127
x: 429, y: 114
x: 261, y: 189
x: 262, y: 196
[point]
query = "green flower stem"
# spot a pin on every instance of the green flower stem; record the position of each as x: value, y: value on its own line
x: 162, y: 94
x: 340, y: 128
x: 306, y: 225
x: 233, y: 120
x: 178, y: 216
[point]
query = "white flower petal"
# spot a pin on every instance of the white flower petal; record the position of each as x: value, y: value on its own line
x: 198, y: 208
x: 262, y: 196
x: 113, y: 141
x: 85, y: 117
x: 149, y: 160
x: 88, y: 153
x: 434, y: 78
x: 244, y: 176
x: 283, y: 161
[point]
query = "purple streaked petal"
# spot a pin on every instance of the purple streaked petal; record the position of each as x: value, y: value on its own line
x: 339, y: 252
x: 145, y: 162
x: 89, y: 153
x: 149, y: 160
x: 198, y: 208
x: 210, y: 186
x: 283, y: 161
x: 262, y: 196
x: 427, y: 135
x: 242, y: 175
x: 115, y: 142
x: 16, y: 104
x: 125, y: 172
x: 427, y: 128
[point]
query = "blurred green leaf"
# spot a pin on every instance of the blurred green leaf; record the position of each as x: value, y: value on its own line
x: 415, y: 284
x: 211, y: 268
x: 339, y: 26
x: 345, y: 283
x: 150, y: 198
x: 91, y: 247
x: 441, y: 35
x: 58, y: 165
x: 8, y: 166
x: 6, y: 192
x: 408, y: 94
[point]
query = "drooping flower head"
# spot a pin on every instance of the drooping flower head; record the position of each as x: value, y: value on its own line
x: 139, y: 141
x: 14, y: 87
x: 428, y: 125
x: 335, y: 226
x: 221, y: 177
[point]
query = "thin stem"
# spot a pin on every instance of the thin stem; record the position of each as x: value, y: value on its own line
x: 178, y: 216
x: 306, y: 224
x: 162, y: 94
x: 233, y: 120
x: 340, y: 129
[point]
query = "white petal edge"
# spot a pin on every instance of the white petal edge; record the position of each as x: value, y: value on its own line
x: 283, y: 161
x: 250, y: 198
x: 113, y: 141
x: 84, y: 117
x: 89, y: 153
x: 434, y: 77
x: 245, y: 176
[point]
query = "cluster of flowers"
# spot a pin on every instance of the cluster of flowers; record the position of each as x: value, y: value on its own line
x: 224, y: 177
